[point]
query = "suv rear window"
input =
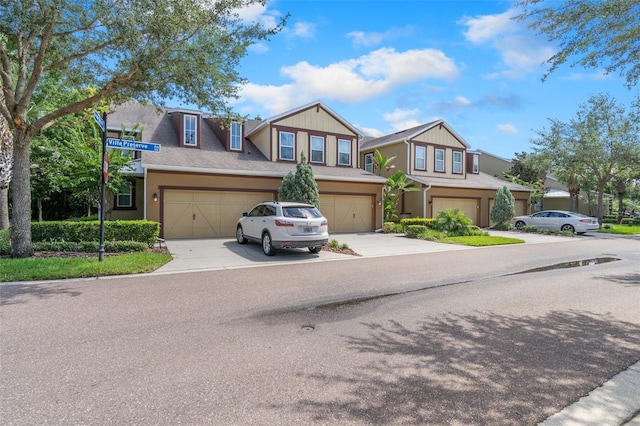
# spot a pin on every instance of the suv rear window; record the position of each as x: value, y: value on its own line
x: 301, y: 212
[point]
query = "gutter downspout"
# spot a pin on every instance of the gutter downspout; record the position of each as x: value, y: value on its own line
x: 424, y: 200
x: 144, y: 213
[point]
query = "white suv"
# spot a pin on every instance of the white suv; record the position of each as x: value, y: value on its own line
x: 279, y: 225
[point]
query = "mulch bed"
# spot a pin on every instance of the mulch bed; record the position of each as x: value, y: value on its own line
x: 76, y: 254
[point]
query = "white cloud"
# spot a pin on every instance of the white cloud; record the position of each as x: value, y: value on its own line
x: 370, y: 131
x: 402, y: 119
x: 360, y: 38
x: 488, y: 27
x: 508, y: 129
x: 352, y: 80
x: 462, y: 101
x: 258, y: 48
x: 519, y: 50
x: 304, y: 30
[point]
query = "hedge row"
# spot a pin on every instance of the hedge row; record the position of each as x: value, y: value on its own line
x: 428, y: 222
x: 141, y: 231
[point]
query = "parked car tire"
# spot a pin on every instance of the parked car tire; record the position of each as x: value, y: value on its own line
x: 568, y: 228
x: 519, y: 225
x: 267, y: 247
x: 315, y: 249
x: 240, y: 236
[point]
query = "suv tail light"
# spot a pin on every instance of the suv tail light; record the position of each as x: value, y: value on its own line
x: 324, y: 223
x: 283, y: 223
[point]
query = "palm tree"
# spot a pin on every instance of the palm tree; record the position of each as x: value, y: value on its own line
x: 394, y: 187
x: 382, y: 163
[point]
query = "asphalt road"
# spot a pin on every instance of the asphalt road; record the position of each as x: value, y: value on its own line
x: 452, y: 338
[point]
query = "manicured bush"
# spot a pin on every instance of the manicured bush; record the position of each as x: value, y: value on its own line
x: 503, y: 227
x: 431, y: 235
x: 530, y: 228
x: 389, y: 227
x: 90, y: 246
x: 142, y: 231
x: 413, y: 231
x: 503, y: 209
x: 428, y: 222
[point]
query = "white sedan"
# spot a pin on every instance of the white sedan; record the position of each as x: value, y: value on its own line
x: 558, y: 220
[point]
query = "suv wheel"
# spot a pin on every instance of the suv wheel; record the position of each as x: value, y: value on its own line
x: 267, y: 247
x: 240, y: 236
x: 315, y: 249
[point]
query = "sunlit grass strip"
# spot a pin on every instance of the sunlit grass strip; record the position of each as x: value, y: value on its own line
x: 481, y: 240
x: 621, y: 229
x: 59, y: 268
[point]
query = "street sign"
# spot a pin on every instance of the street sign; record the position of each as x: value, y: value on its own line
x: 136, y: 146
x: 99, y: 120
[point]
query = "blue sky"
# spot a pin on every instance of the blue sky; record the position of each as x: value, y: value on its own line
x: 386, y: 66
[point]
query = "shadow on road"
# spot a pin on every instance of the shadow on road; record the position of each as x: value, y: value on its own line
x: 19, y: 293
x: 481, y: 369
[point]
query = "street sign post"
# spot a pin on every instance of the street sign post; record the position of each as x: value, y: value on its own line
x: 133, y: 145
x: 102, y: 122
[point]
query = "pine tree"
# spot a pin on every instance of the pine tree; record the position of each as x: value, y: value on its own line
x: 301, y: 186
x: 504, y: 209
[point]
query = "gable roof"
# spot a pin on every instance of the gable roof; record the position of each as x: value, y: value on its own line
x: 211, y: 157
x: 473, y: 181
x: 408, y: 134
x: 294, y: 111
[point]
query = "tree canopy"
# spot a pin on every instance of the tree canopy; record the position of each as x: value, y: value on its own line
x: 597, y: 146
x: 150, y: 50
x: 598, y: 34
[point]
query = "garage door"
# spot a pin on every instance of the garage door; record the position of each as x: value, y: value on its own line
x: 199, y: 214
x: 348, y: 213
x: 467, y: 205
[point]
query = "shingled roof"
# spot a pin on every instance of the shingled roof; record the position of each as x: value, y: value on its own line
x: 212, y: 157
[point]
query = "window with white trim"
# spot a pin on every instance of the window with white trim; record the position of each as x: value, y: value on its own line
x: 190, y: 130
x: 457, y: 162
x: 476, y: 163
x: 368, y: 162
x: 421, y: 158
x: 317, y: 149
x: 236, y: 136
x: 124, y: 197
x: 344, y: 152
x: 286, y: 146
x: 439, y: 165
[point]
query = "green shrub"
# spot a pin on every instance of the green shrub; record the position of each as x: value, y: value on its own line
x: 413, y: 231
x: 90, y: 246
x: 476, y: 231
x: 142, y: 231
x: 4, y: 242
x: 503, y: 227
x: 453, y: 222
x: 388, y: 227
x: 428, y: 222
x: 530, y: 228
x: 431, y: 235
x: 334, y: 244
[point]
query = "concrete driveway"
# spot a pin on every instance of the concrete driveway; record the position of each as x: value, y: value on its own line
x: 225, y: 253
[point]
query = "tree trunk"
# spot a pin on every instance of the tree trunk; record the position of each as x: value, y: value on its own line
x: 39, y: 205
x: 4, y: 207
x: 620, y: 187
x: 21, y: 185
x: 600, y: 203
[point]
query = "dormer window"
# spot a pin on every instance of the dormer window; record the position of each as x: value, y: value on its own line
x: 368, y: 162
x: 190, y: 130
x: 476, y: 163
x: 236, y: 136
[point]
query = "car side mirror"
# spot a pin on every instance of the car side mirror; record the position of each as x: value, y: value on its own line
x: 244, y: 214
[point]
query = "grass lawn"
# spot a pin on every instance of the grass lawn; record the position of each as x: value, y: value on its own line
x: 481, y: 240
x: 621, y: 229
x: 34, y: 269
